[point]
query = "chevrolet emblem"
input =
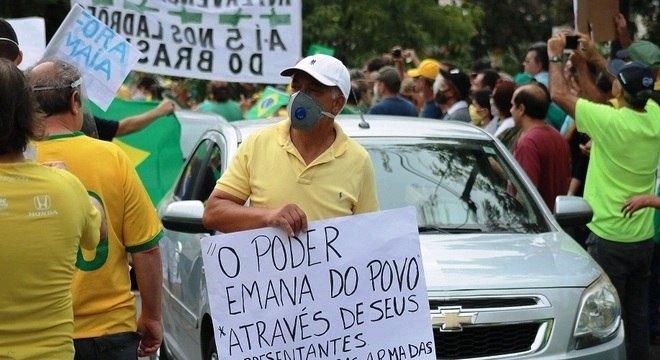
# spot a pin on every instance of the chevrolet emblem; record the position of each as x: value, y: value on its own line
x: 451, y: 319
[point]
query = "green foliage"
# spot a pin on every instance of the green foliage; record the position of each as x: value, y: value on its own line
x: 511, y: 26
x: 359, y: 30
x: 648, y: 12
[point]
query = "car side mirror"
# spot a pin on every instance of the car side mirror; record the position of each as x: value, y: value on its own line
x: 572, y: 211
x: 185, y: 216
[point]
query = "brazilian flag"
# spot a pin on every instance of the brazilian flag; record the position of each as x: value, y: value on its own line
x: 270, y: 101
x: 155, y: 150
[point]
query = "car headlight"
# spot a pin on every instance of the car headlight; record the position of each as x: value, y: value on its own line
x: 599, y: 316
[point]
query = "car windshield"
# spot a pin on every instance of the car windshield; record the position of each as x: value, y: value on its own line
x: 456, y: 185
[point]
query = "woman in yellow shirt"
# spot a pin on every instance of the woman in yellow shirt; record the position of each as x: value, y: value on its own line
x: 45, y: 215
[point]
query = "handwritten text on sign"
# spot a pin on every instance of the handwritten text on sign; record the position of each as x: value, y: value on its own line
x: 103, y: 57
x: 230, y: 40
x: 347, y: 288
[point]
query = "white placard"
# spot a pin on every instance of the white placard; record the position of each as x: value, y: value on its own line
x: 229, y: 40
x: 348, y: 288
x: 103, y: 57
x: 31, y: 34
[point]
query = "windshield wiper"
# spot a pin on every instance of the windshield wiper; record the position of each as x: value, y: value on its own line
x: 465, y: 196
x: 447, y: 230
x: 432, y: 228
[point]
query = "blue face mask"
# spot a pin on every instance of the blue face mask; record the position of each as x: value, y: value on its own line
x: 305, y: 112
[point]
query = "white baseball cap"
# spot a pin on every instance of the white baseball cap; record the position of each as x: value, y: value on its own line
x: 325, y: 69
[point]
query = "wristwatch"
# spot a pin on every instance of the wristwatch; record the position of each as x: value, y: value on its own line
x: 556, y: 59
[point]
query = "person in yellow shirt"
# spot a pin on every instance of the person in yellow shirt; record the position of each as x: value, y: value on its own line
x: 45, y: 215
x: 103, y: 305
x: 300, y: 169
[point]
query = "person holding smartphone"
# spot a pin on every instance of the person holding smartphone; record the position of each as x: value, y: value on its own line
x: 622, y: 164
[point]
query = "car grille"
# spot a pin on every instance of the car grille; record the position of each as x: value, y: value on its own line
x: 483, y: 303
x: 481, y: 341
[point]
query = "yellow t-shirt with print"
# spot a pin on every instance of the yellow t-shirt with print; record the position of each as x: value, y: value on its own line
x: 45, y: 215
x: 270, y: 171
x: 102, y: 301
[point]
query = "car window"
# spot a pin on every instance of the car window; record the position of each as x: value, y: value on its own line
x: 455, y: 185
x: 212, y: 172
x: 186, y: 187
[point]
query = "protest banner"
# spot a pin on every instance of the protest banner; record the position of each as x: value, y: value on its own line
x: 31, y: 34
x: 229, y: 40
x: 347, y: 288
x: 103, y: 57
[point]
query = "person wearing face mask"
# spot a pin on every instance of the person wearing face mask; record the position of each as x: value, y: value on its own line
x: 480, y: 112
x: 452, y: 90
x: 301, y: 169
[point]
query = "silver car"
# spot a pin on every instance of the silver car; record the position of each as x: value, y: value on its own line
x: 504, y: 280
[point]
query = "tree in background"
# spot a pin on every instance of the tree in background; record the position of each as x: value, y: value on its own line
x: 359, y: 30
x: 468, y: 30
x: 510, y: 26
x: 648, y: 12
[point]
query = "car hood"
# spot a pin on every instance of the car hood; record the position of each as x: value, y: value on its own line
x: 505, y: 261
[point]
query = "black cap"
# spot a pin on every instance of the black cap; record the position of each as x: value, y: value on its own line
x: 8, y: 41
x: 7, y: 32
x: 633, y: 76
x: 459, y: 80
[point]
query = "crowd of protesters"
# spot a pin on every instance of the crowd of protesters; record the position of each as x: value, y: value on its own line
x: 555, y: 142
x: 577, y: 122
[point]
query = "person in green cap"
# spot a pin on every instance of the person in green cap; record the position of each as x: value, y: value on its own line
x: 648, y: 54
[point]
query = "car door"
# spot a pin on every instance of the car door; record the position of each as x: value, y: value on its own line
x: 183, y: 271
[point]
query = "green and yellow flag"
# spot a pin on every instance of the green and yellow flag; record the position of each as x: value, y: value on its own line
x: 155, y: 151
x: 270, y: 101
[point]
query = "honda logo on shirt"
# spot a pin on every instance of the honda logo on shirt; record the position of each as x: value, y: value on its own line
x: 43, y: 206
x: 42, y: 202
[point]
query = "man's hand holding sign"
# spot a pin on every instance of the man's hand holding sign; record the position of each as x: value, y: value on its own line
x: 302, y: 290
x: 347, y: 288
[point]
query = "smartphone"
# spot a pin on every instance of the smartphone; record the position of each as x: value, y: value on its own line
x: 571, y: 42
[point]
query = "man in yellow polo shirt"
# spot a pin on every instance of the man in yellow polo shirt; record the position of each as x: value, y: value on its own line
x: 622, y: 164
x: 304, y: 168
x: 103, y: 305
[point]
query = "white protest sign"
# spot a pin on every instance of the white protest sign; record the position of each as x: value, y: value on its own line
x: 347, y: 288
x: 103, y: 57
x: 229, y: 40
x: 31, y: 34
